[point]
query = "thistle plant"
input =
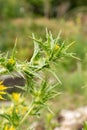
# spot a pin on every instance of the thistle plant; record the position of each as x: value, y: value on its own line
x: 37, y: 84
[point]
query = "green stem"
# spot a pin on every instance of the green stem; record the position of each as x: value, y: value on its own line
x: 27, y: 114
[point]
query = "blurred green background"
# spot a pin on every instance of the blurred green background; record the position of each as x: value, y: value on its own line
x: 19, y: 19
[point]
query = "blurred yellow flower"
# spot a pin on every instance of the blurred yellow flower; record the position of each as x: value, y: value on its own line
x: 56, y: 47
x: 11, y: 109
x: 24, y: 109
x: 6, y: 127
x: 11, y: 128
x: 2, y: 87
x: 11, y: 61
x: 16, y: 96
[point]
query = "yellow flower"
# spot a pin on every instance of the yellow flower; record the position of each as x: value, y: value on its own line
x: 6, y: 127
x: 2, y: 87
x: 10, y: 110
x: 11, y: 128
x: 56, y: 47
x: 24, y: 109
x: 11, y: 61
x: 16, y: 96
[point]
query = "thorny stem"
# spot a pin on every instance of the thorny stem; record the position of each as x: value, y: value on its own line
x: 31, y: 106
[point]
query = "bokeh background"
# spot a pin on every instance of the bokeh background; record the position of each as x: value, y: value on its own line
x: 19, y: 19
